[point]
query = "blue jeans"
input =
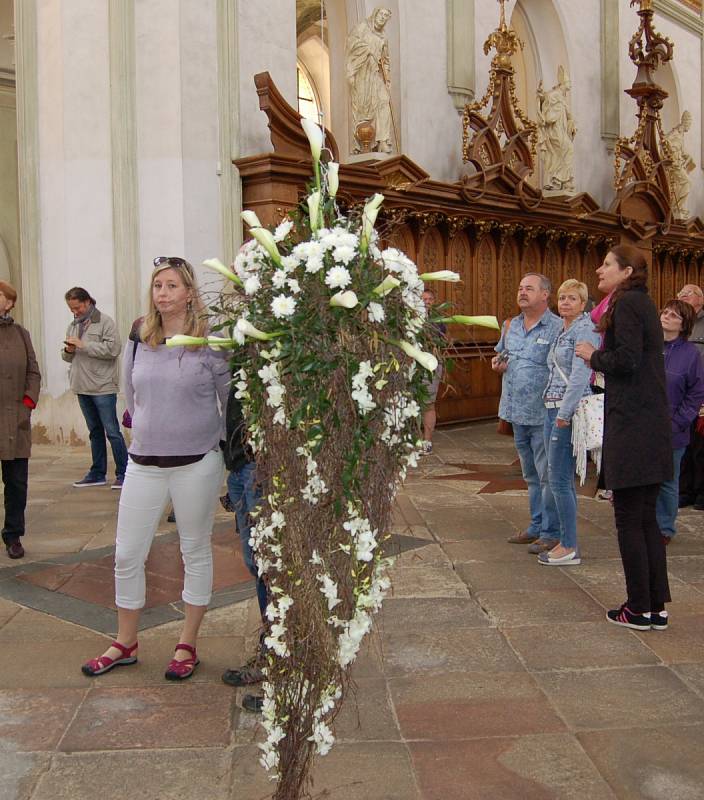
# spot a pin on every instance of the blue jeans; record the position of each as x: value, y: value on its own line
x: 530, y: 444
x: 245, y: 496
x: 561, y: 467
x: 668, y: 498
x: 99, y: 411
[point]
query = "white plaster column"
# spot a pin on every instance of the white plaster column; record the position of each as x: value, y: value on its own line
x: 125, y: 195
x: 28, y: 173
x: 610, y: 77
x: 76, y: 221
x: 229, y: 127
x: 460, y: 51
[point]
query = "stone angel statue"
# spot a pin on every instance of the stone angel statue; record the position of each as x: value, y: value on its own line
x: 556, y: 132
x: 682, y: 165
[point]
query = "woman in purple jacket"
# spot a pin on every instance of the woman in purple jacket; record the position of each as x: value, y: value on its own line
x: 684, y: 372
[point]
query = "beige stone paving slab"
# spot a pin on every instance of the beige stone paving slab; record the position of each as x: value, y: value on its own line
x: 431, y: 555
x: 499, y: 575
x: 54, y: 543
x: 29, y: 625
x: 416, y: 531
x: 538, y: 607
x: 367, y: 714
x: 177, y: 774
x: 652, y: 764
x: 692, y: 675
x: 685, y: 567
x: 430, y: 614
x: 473, y: 650
x: 681, y: 643
x: 593, y: 700
x: 472, y: 524
x: 514, y: 556
x: 534, y: 767
x: 20, y: 772
x: 425, y: 581
x: 42, y: 665
x: 686, y: 600
x: 470, y: 705
x: 32, y: 720
x: 578, y: 645
x: 351, y: 771
x: 443, y: 494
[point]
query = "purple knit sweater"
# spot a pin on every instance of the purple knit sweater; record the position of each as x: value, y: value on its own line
x: 172, y: 395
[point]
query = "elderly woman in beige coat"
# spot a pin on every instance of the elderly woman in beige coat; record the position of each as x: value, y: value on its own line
x: 19, y: 392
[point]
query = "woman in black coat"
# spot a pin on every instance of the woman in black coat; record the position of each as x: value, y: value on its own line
x: 637, y: 451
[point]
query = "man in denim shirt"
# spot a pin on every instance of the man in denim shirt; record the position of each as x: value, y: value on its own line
x: 523, y: 350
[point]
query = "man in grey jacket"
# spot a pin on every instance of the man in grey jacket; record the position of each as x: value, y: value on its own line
x: 92, y: 347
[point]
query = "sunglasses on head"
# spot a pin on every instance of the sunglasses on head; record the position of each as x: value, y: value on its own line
x: 173, y: 261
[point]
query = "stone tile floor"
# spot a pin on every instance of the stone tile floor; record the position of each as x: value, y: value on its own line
x: 488, y: 676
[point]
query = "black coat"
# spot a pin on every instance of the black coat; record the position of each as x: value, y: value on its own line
x: 637, y: 439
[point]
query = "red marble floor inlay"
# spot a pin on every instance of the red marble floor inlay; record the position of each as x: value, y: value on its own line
x: 92, y: 581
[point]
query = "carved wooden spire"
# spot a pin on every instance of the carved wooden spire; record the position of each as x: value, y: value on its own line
x: 500, y: 142
x: 640, y: 161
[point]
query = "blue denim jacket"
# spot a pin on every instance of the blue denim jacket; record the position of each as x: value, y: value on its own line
x: 526, y: 377
x: 575, y: 369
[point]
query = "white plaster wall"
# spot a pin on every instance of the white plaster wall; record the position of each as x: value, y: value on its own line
x: 431, y: 127
x: 267, y: 43
x: 75, y: 172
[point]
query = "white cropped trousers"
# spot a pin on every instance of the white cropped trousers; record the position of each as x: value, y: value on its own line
x: 193, y: 490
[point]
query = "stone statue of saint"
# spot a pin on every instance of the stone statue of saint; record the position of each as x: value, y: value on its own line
x: 368, y: 74
x: 682, y: 164
x: 556, y: 132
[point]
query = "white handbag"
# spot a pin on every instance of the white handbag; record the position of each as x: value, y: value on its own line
x: 587, y: 429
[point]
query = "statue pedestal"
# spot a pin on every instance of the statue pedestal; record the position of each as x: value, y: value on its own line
x: 369, y: 158
x: 558, y: 193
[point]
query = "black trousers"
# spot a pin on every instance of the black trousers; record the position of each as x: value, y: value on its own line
x: 14, y: 476
x: 692, y: 468
x: 642, y: 548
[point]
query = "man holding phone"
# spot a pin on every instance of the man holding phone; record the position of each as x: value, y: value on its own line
x: 92, y: 347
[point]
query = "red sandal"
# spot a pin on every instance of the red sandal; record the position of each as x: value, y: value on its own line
x: 180, y: 670
x: 98, y: 666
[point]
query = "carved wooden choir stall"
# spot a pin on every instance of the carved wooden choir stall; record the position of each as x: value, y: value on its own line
x: 494, y: 225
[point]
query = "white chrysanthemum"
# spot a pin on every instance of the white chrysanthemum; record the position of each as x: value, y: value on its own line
x: 338, y: 278
x: 278, y: 279
x: 343, y: 254
x: 293, y: 285
x: 252, y: 285
x: 376, y: 312
x: 283, y: 230
x: 289, y: 263
x: 314, y: 264
x: 283, y: 306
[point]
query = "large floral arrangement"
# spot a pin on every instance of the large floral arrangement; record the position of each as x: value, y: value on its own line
x: 333, y: 354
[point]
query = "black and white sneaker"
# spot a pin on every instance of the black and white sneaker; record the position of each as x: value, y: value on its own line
x: 625, y: 617
x: 658, y: 620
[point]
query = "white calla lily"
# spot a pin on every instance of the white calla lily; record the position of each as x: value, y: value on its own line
x: 266, y: 240
x: 315, y: 137
x: 483, y: 321
x: 426, y: 360
x: 181, y: 340
x: 333, y: 178
x: 344, y: 300
x: 369, y: 215
x: 387, y: 285
x: 251, y: 219
x: 218, y: 266
x: 246, y: 327
x: 314, y: 210
x: 218, y: 343
x: 440, y: 275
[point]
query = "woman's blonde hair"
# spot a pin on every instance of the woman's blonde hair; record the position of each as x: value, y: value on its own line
x: 195, y: 324
x: 572, y: 284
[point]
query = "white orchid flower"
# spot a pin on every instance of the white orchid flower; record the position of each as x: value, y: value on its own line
x: 251, y: 219
x: 181, y: 340
x: 387, y: 285
x: 344, y: 300
x: 218, y: 266
x: 314, y: 210
x: 440, y: 275
x: 333, y: 178
x: 246, y: 327
x: 315, y: 137
x: 426, y: 360
x: 369, y: 215
x: 483, y: 321
x: 266, y: 240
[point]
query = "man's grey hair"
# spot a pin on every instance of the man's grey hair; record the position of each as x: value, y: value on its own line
x: 545, y: 282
